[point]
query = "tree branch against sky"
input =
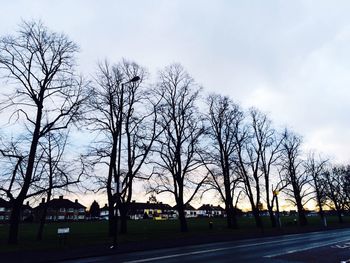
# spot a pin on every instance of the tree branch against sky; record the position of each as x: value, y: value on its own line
x: 158, y: 129
x: 223, y: 119
x: 176, y: 151
x: 316, y: 167
x: 295, y: 175
x: 254, y: 63
x: 116, y: 101
x: 46, y: 95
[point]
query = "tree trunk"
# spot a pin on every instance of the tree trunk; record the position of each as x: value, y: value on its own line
x: 231, y: 216
x: 123, y: 220
x: 340, y: 218
x: 39, y: 236
x: 322, y: 216
x: 272, y: 217
x: 301, y: 212
x: 257, y: 218
x: 182, y: 218
x: 301, y: 216
x: 18, y: 202
x: 14, y: 222
x: 234, y: 219
x: 115, y: 230
x: 111, y: 220
x: 46, y: 204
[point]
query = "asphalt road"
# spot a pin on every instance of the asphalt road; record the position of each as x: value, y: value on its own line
x: 328, y: 247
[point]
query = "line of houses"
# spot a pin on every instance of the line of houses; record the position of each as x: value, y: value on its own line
x: 59, y: 209
x: 62, y: 209
x: 160, y: 211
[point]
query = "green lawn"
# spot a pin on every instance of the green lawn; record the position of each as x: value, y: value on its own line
x: 95, y: 232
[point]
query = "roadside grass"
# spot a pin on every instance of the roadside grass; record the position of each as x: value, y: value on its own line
x: 91, y: 233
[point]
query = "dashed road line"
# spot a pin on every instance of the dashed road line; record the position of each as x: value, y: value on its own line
x: 320, y: 244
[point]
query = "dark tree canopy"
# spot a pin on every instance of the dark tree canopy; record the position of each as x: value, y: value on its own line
x: 94, y: 209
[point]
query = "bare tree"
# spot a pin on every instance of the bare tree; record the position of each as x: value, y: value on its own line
x: 316, y: 168
x: 295, y: 174
x: 47, y: 94
x: 53, y: 171
x: 224, y: 118
x: 270, y: 142
x: 336, y: 181
x: 123, y: 113
x: 252, y: 141
x: 346, y: 187
x: 140, y: 132
x: 176, y: 151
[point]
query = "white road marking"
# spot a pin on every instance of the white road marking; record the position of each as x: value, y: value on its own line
x: 209, y: 250
x: 176, y: 255
x: 342, y: 246
x: 320, y: 244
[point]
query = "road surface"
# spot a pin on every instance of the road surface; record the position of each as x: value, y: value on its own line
x: 328, y: 247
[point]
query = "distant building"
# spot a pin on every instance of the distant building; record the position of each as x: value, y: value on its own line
x: 104, y: 212
x: 5, y: 210
x: 264, y: 212
x: 190, y: 211
x: 61, y: 209
x: 27, y: 213
x: 156, y: 211
x: 138, y: 210
x: 210, y: 211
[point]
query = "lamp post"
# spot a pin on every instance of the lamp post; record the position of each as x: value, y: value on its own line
x: 117, y: 177
x: 275, y: 193
x: 120, y: 124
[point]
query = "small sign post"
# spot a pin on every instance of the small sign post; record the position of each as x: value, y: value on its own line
x: 62, y: 233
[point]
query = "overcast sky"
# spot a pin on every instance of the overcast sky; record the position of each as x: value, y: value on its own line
x: 289, y: 58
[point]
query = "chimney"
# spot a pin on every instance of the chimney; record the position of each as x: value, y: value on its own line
x: 76, y: 201
x: 42, y: 200
x: 27, y: 203
x: 61, y: 197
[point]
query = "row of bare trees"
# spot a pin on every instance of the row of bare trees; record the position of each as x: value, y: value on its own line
x: 163, y: 134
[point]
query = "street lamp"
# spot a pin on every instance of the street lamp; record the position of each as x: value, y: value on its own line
x: 117, y: 177
x: 120, y: 123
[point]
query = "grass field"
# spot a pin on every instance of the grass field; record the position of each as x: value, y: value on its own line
x: 95, y: 232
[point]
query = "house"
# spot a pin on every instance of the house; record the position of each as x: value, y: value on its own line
x: 137, y: 210
x: 207, y: 210
x: 5, y: 210
x: 156, y: 211
x: 190, y: 211
x: 61, y: 209
x: 264, y: 212
x: 104, y: 212
x: 27, y: 213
